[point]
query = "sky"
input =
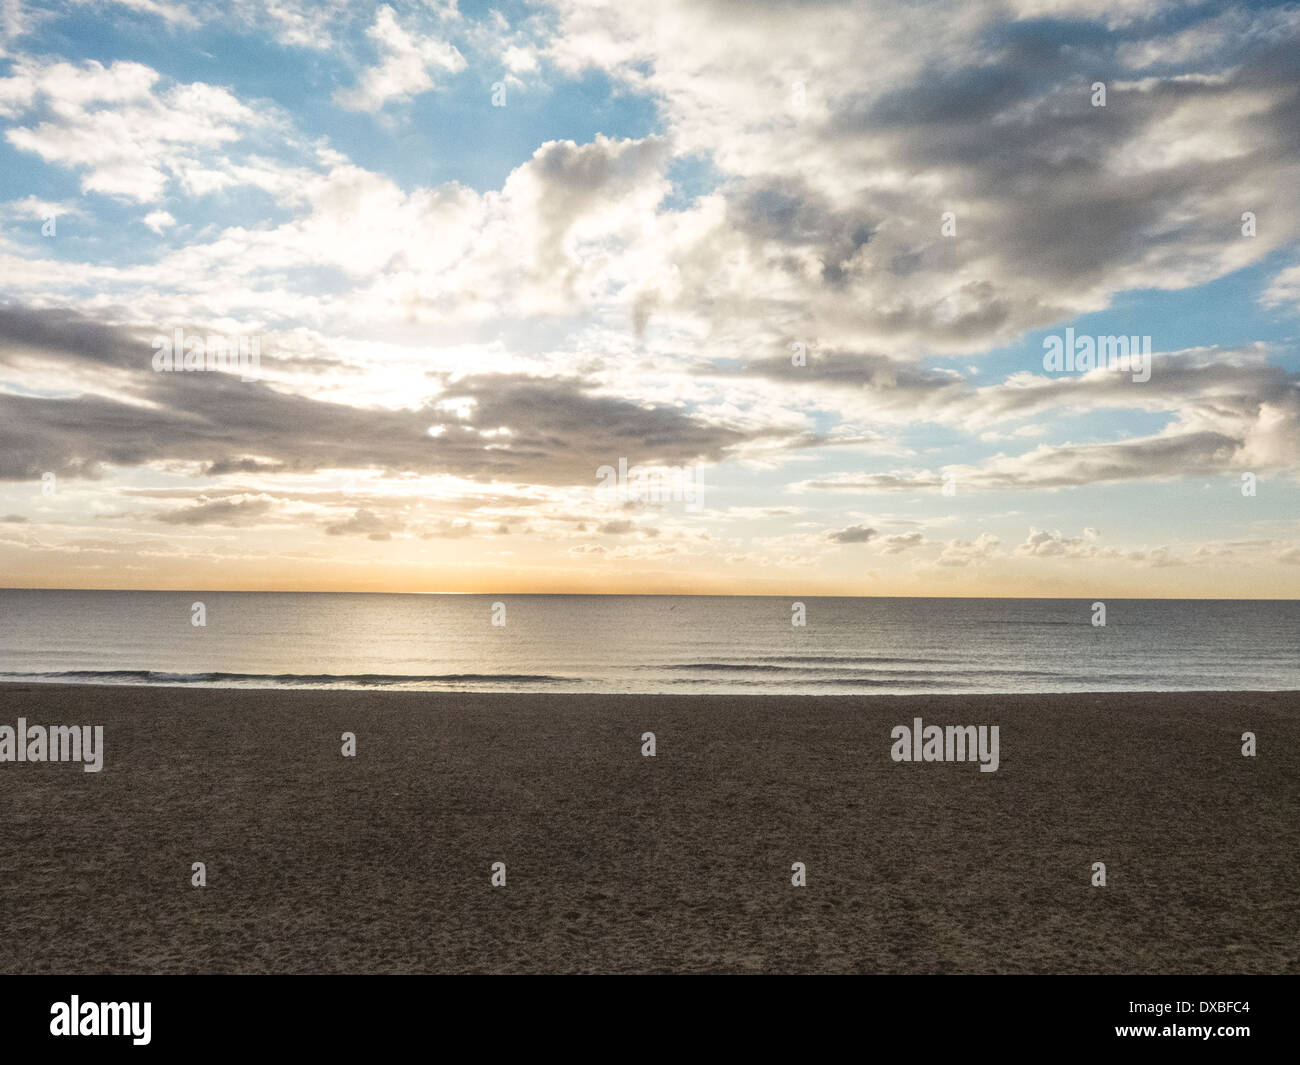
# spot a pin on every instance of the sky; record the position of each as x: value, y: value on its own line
x: 800, y: 267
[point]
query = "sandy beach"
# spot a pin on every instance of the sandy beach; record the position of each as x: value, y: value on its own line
x: 677, y: 863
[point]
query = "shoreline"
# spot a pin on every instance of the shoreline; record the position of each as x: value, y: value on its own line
x: 550, y: 693
x: 679, y: 862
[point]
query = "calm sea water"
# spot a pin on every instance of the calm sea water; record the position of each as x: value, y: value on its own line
x: 646, y: 643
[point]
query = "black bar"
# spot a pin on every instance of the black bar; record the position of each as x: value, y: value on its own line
x: 339, y: 1014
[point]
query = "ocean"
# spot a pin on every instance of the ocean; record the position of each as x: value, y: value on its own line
x: 646, y: 644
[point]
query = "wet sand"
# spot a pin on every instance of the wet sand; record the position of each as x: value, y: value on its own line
x: 679, y: 863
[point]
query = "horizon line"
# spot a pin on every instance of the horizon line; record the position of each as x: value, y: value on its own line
x: 667, y: 595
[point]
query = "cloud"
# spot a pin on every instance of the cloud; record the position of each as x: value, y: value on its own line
x: 37, y: 209
x: 913, y: 112
x: 128, y: 138
x: 958, y: 552
x: 244, y: 465
x: 159, y: 220
x: 1228, y: 412
x: 406, y: 68
x: 900, y: 542
x: 855, y: 534
x: 218, y: 512
x: 561, y: 430
x: 364, y: 523
x: 1284, y: 289
x: 1042, y: 543
x: 1063, y: 466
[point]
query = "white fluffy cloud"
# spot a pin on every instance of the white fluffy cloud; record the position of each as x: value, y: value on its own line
x: 159, y: 220
x: 126, y: 138
x: 407, y: 65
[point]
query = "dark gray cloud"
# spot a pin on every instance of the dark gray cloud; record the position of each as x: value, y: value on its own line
x: 227, y: 466
x: 1064, y: 466
x: 560, y: 430
x: 855, y: 534
x: 1059, y: 204
x: 787, y: 211
x: 68, y: 337
x: 218, y: 512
